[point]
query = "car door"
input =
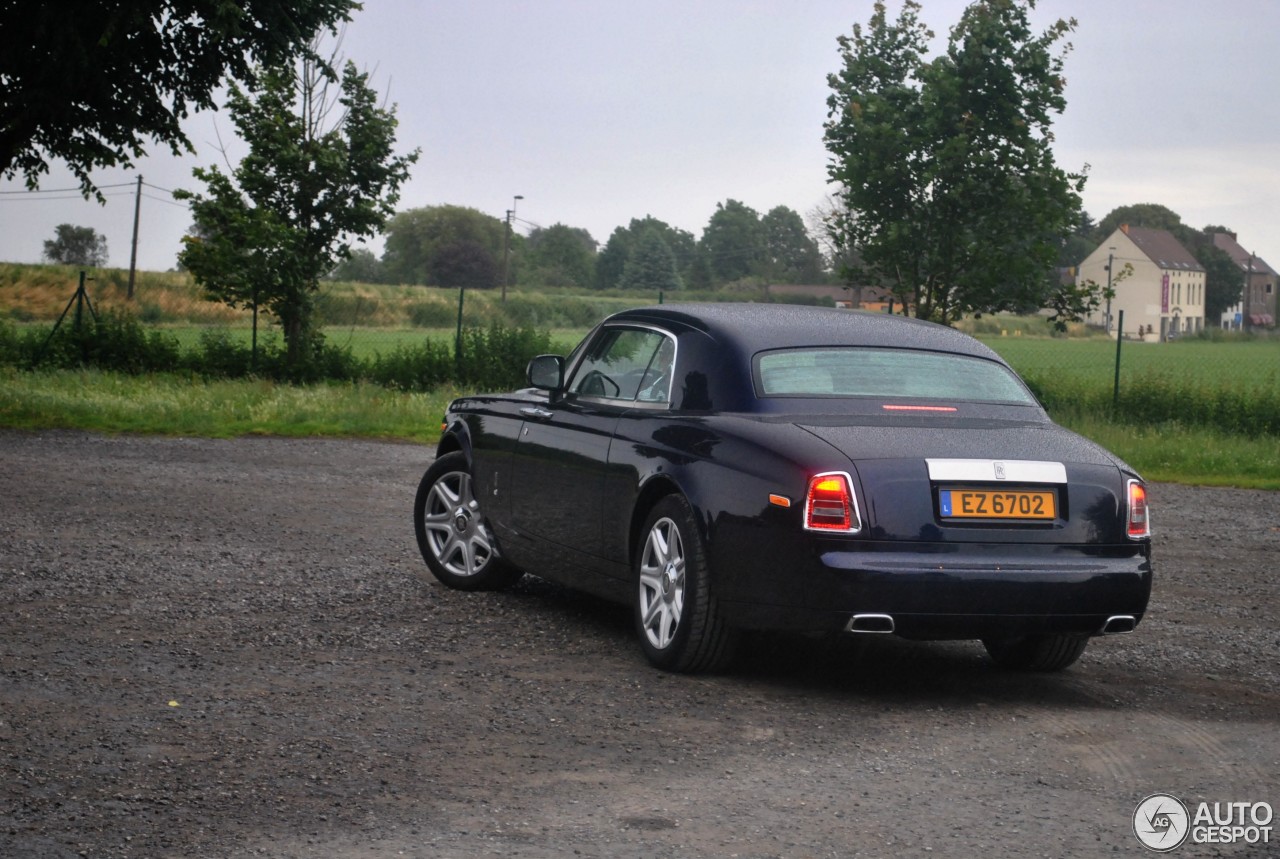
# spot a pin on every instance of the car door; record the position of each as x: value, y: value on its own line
x: 562, y: 452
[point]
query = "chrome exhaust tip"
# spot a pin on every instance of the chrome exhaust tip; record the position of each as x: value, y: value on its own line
x: 871, y: 623
x: 1119, y: 623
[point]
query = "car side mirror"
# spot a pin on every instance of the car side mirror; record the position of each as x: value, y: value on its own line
x: 546, y: 372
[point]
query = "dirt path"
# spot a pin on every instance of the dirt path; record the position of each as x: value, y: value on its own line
x: 222, y: 649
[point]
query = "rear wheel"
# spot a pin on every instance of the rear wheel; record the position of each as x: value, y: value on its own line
x: 452, y: 534
x: 1036, y: 652
x: 676, y: 614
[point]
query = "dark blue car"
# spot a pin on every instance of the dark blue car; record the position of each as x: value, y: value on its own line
x: 726, y: 468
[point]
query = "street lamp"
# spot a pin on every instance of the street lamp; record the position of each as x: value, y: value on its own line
x: 506, y: 246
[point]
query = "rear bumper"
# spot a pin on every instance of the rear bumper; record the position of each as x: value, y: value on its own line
x: 959, y: 591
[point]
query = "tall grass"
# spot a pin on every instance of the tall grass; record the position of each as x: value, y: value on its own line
x: 185, y: 405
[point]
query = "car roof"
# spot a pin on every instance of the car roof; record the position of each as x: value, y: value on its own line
x: 752, y: 328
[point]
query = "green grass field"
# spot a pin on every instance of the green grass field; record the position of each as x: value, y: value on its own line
x: 1175, y: 419
x: 109, y: 402
x: 1252, y: 364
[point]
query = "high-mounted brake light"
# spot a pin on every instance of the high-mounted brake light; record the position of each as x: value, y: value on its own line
x: 1139, y: 522
x: 829, y: 504
x: 894, y: 408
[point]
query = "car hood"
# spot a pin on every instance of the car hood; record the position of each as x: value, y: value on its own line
x: 888, y: 459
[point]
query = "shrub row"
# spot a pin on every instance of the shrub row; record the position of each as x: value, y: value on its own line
x: 491, y: 358
x: 1151, y: 398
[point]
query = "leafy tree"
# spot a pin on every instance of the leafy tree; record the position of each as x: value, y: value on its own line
x: 948, y: 187
x: 612, y: 261
x: 414, y: 237
x: 87, y: 82
x: 652, y: 265
x: 560, y: 256
x: 464, y: 263
x: 1151, y: 215
x: 287, y: 214
x: 733, y: 242
x: 791, y: 255
x: 1223, y: 277
x: 76, y: 246
x: 362, y: 266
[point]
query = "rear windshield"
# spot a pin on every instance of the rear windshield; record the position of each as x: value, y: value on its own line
x: 877, y: 372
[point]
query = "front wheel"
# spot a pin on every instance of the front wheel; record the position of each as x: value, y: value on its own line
x: 451, y: 532
x: 676, y: 614
x: 1036, y: 652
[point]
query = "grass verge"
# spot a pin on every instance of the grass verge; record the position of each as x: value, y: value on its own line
x: 177, y: 405
x: 1175, y: 453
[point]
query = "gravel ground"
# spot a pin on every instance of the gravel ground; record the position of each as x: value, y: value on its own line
x: 224, y: 649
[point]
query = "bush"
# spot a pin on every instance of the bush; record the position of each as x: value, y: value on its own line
x: 219, y: 355
x: 496, y: 359
x: 113, y: 341
x: 413, y: 368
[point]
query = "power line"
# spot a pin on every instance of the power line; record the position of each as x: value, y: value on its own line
x: 163, y: 200
x: 55, y: 199
x: 64, y: 190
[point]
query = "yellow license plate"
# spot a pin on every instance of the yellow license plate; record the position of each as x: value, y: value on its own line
x: 1035, y: 504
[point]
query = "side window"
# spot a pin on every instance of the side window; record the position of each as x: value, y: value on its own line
x: 655, y: 386
x: 619, y: 365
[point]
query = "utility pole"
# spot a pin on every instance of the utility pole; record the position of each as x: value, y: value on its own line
x: 1111, y: 256
x: 1245, y: 324
x: 506, y: 246
x: 133, y: 254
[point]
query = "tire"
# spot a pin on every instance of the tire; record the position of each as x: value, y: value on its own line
x: 452, y: 534
x: 676, y: 614
x: 1036, y: 652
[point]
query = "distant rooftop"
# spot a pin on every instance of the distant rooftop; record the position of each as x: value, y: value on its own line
x: 1162, y: 248
x: 1242, y: 258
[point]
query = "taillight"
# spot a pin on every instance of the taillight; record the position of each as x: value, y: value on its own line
x: 1139, y: 522
x: 829, y: 504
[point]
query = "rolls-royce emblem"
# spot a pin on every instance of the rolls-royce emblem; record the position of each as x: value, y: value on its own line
x: 999, y: 470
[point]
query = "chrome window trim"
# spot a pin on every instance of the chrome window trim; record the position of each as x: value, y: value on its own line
x: 649, y: 405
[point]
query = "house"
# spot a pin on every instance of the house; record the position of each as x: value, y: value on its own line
x: 1163, y: 294
x: 1257, y: 305
x: 873, y: 298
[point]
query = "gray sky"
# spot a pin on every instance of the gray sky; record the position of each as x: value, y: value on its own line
x: 597, y: 112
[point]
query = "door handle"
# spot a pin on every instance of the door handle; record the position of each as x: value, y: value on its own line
x: 536, y: 412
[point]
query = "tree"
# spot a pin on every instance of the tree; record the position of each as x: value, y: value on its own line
x: 76, y: 246
x: 733, y: 242
x: 651, y: 265
x: 791, y: 255
x: 560, y: 256
x: 948, y: 187
x: 414, y: 238
x: 464, y: 263
x: 287, y: 214
x: 362, y: 266
x: 612, y: 261
x: 1151, y: 215
x: 88, y: 82
x: 1223, y: 277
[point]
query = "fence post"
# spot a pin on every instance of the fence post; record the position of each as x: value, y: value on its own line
x: 1115, y: 391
